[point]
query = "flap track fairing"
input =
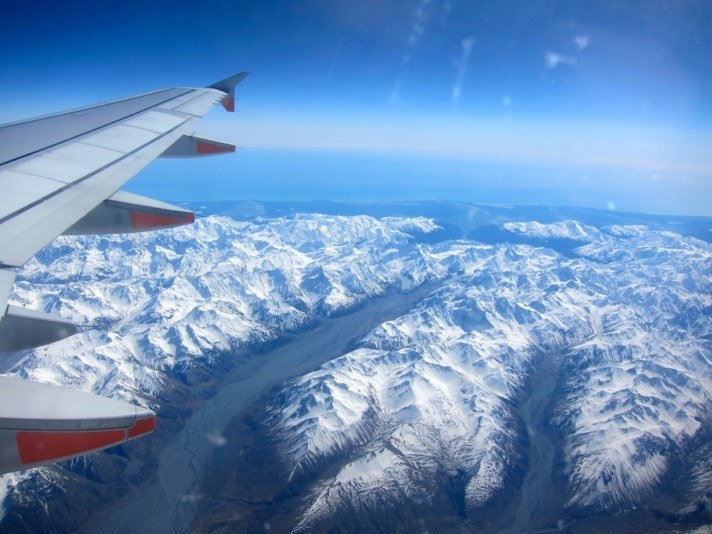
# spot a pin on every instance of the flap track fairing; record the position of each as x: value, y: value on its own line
x: 190, y: 146
x: 125, y: 213
x: 22, y: 329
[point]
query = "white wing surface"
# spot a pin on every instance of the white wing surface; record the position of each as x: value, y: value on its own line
x: 61, y: 174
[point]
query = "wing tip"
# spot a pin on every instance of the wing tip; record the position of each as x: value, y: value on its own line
x: 228, y: 84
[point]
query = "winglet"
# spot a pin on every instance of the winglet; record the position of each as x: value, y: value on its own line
x: 228, y: 86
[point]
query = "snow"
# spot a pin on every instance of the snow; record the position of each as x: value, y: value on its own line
x: 433, y: 391
x: 160, y: 300
x: 367, y: 468
x: 7, y: 484
x: 633, y: 230
x: 573, y: 230
x: 436, y: 387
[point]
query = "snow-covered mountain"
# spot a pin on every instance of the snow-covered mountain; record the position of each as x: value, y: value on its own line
x: 639, y: 390
x: 156, y: 304
x: 428, y: 408
x: 436, y: 391
x: 157, y: 307
x: 572, y: 230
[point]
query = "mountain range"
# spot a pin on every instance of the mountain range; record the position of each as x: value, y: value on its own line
x: 552, y: 373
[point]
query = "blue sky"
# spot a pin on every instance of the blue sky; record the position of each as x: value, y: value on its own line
x: 605, y: 104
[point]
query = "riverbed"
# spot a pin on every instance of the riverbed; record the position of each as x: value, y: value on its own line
x: 168, y: 502
x: 539, y: 504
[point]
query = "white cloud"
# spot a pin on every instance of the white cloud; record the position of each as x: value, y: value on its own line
x: 553, y: 60
x: 582, y: 41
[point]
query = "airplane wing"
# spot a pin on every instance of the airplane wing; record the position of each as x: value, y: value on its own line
x: 61, y: 174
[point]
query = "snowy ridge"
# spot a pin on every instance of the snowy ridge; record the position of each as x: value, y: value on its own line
x: 641, y: 388
x: 431, y: 395
x: 631, y: 230
x: 431, y: 391
x: 177, y: 298
x: 572, y: 230
x: 156, y: 305
x: 412, y: 224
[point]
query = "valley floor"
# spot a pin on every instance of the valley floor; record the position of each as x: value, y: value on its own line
x: 169, y: 501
